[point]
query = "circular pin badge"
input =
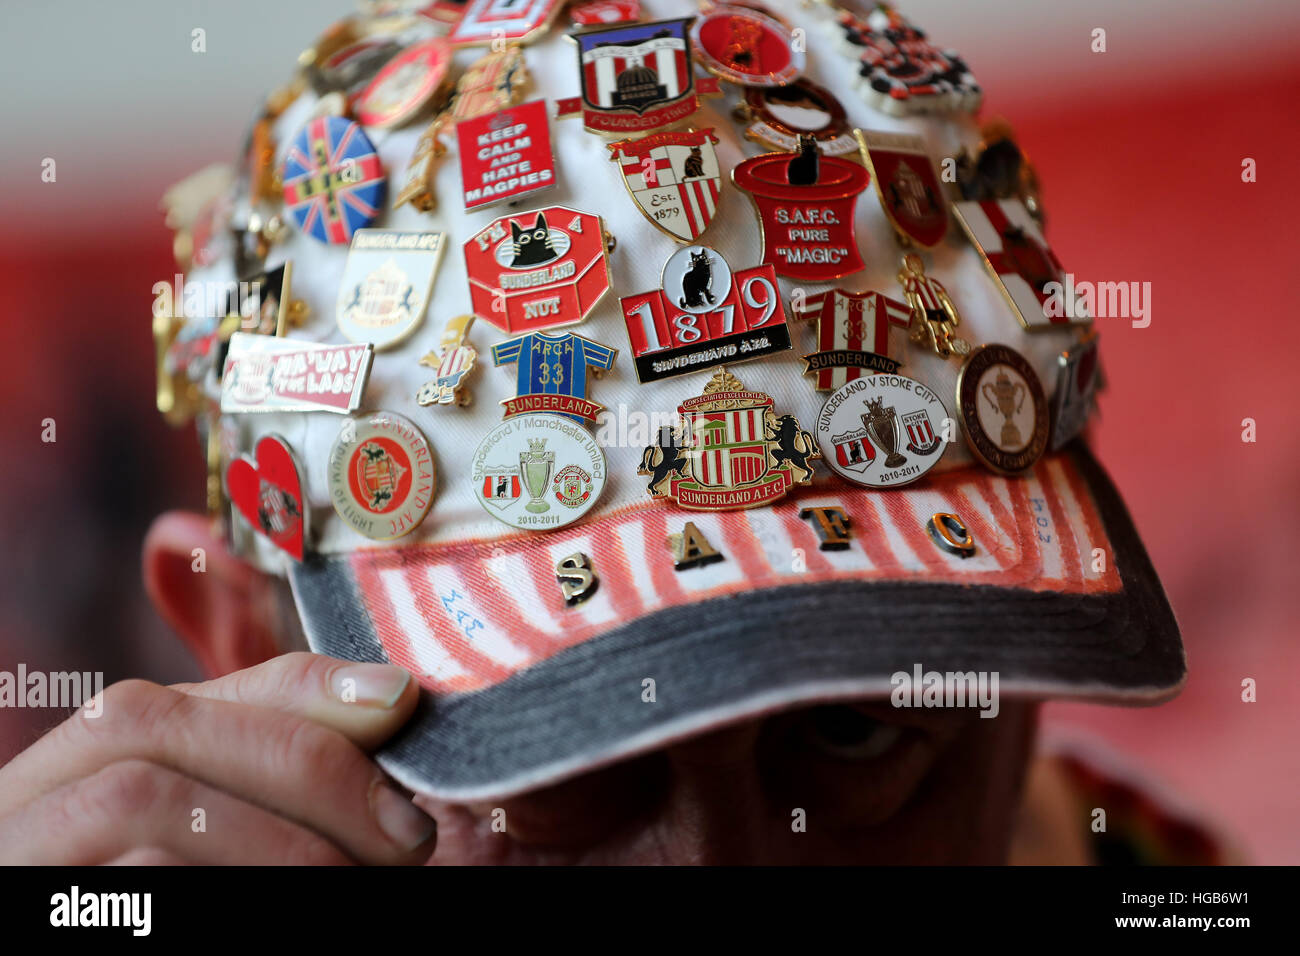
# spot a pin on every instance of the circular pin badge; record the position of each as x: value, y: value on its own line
x: 381, y: 475
x: 405, y: 85
x: 333, y: 180
x: 538, y: 472
x: 779, y: 115
x: 696, y: 279
x: 882, y: 430
x: 742, y: 45
x: 1003, y: 409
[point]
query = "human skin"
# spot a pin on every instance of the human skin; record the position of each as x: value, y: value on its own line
x: 279, y: 763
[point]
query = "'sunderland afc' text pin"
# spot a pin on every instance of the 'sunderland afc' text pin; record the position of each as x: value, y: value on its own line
x: 386, y: 284
x: 882, y: 430
x: 907, y: 186
x: 454, y: 360
x: 1003, y: 409
x: 744, y: 46
x: 333, y: 180
x: 536, y: 270
x: 704, y: 315
x: 552, y: 373
x: 673, y: 178
x: 538, y: 472
x: 731, y: 451
x: 267, y: 490
x: 805, y: 204
x: 505, y: 155
x: 381, y: 475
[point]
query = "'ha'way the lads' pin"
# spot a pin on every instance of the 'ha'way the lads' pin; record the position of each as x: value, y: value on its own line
x: 882, y: 430
x: 731, y: 451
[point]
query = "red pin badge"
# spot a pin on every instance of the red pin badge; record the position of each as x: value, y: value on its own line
x: 406, y: 83
x: 505, y: 155
x: 267, y: 491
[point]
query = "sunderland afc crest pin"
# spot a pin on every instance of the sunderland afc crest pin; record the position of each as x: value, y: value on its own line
x: 703, y: 315
x: 1003, y: 409
x: 454, y: 360
x: 552, y: 373
x: 673, y: 178
x: 907, y: 186
x: 881, y: 430
x: 730, y: 451
x: 381, y: 475
x: 386, y: 285
x: 267, y: 490
x: 852, y: 335
x: 333, y: 180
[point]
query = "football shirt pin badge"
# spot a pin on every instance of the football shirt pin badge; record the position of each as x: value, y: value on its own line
x: 852, y: 335
x: 537, y: 270
x: 454, y: 360
x: 703, y: 315
x: 552, y: 373
x: 730, y: 451
x: 267, y: 490
x: 538, y: 472
x: 673, y: 178
x: 907, y: 186
x: 635, y: 78
x: 505, y: 155
x: 805, y: 204
x: 745, y: 46
x: 934, y: 317
x: 1003, y: 409
x: 882, y: 430
x: 333, y: 180
x: 386, y: 285
x: 778, y: 115
x: 381, y: 475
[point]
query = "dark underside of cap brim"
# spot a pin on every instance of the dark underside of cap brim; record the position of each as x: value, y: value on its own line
x: 727, y: 659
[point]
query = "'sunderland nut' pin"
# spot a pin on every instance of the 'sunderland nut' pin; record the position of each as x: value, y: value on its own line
x: 386, y: 284
x: 333, y: 180
x: 267, y: 491
x: 1003, y: 409
x: 552, y: 373
x: 454, y: 359
x: 673, y: 178
x: 882, y: 430
x: 381, y: 475
x: 538, y: 472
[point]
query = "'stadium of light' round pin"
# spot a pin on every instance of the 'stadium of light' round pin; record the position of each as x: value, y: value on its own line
x: 381, y: 475
x: 1003, y: 409
x: 538, y: 472
x: 744, y: 46
x: 882, y: 430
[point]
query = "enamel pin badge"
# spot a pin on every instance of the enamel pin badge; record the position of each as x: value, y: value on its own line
x: 506, y: 155
x: 454, y: 359
x: 999, y: 169
x: 635, y: 78
x: 1077, y: 377
x: 730, y: 451
x: 742, y: 45
x: 852, y: 335
x: 536, y: 270
x: 268, y: 374
x: 881, y: 430
x: 552, y: 373
x: 673, y: 178
x: 1032, y: 280
x: 590, y: 13
x: 386, y: 285
x: 415, y: 78
x: 907, y: 186
x: 503, y: 21
x: 267, y: 491
x: 805, y: 204
x: 381, y: 475
x: 779, y: 115
x: 702, y: 315
x: 333, y: 180
x: 1003, y: 409
x: 934, y: 316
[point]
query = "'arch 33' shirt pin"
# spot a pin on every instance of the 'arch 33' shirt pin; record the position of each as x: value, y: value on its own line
x: 552, y: 373
x: 731, y: 451
x: 852, y: 335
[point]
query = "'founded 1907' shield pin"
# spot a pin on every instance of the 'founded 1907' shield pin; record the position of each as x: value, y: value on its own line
x: 333, y: 180
x: 882, y: 430
x: 381, y: 475
x: 673, y: 178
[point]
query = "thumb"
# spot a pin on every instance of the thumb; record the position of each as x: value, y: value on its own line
x: 367, y: 703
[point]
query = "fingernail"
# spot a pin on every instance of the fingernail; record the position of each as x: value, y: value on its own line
x: 400, y: 819
x: 372, y: 685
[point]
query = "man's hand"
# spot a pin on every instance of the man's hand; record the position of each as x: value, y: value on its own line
x: 273, y: 756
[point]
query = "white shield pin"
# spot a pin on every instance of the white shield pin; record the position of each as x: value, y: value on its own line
x: 673, y: 178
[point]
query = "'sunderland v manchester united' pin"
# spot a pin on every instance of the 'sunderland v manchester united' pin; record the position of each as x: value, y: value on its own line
x: 907, y: 186
x: 1021, y: 263
x: 852, y: 335
x: 673, y: 178
x: 805, y: 204
x: 268, y: 374
x: 333, y: 180
x: 635, y: 78
x: 1003, y: 409
x: 538, y: 472
x: 731, y: 451
x: 381, y: 475
x: 505, y: 155
x: 386, y: 284
x: 536, y: 270
x: 742, y: 45
x: 779, y: 115
x: 1076, y: 389
x: 552, y: 373
x: 704, y: 315
x: 267, y: 490
x: 882, y: 430
x: 454, y: 361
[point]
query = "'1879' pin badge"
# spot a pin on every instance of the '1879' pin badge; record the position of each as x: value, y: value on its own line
x: 882, y: 430
x: 731, y: 451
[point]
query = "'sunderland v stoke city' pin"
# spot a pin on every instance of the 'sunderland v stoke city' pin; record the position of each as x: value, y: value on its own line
x: 882, y: 430
x: 381, y: 475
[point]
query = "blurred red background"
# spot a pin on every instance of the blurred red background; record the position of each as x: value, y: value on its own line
x: 1142, y: 181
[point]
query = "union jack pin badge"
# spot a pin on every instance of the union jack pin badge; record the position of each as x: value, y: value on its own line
x: 333, y: 180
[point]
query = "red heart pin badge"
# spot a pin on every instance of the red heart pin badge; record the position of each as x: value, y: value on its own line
x: 268, y: 493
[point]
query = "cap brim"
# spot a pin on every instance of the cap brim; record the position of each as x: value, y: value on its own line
x: 1067, y: 605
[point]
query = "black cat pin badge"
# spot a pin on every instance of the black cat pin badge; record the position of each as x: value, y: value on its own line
x: 704, y: 314
x: 536, y: 270
x: 805, y: 204
x: 673, y: 178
